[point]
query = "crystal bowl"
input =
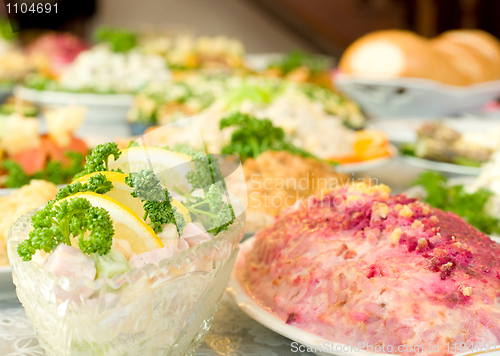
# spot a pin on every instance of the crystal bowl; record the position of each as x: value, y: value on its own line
x: 162, y: 309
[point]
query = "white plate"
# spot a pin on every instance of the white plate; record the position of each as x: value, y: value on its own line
x: 367, y: 165
x: 441, y: 166
x: 264, y: 317
x: 403, y: 97
x: 102, y: 109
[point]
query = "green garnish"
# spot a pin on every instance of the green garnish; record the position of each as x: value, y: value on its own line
x: 16, y: 176
x: 97, y: 161
x: 158, y: 202
x: 408, y: 149
x: 296, y: 59
x: 54, y: 171
x: 263, y: 93
x: 211, y: 210
x: 215, y: 214
x: 98, y: 184
x: 254, y: 136
x: 58, y: 223
x: 470, y: 206
x: 464, y: 161
x: 120, y: 40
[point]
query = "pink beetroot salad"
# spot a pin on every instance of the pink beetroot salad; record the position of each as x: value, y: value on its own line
x: 360, y: 265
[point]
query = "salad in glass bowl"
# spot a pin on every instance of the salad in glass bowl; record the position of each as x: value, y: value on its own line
x: 132, y: 257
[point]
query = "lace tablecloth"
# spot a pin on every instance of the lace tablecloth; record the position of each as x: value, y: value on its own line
x: 233, y: 333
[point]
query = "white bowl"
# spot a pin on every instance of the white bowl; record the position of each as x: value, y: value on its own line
x: 162, y: 308
x: 402, y: 97
x: 103, y: 109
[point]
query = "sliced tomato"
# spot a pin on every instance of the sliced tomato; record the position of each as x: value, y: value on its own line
x: 78, y: 145
x: 31, y: 160
x: 57, y: 153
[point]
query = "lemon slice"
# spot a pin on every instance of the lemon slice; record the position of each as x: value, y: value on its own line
x: 121, y: 192
x: 169, y: 166
x: 128, y: 226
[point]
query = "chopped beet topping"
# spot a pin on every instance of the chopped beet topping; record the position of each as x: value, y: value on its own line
x: 374, y: 271
x: 411, y: 243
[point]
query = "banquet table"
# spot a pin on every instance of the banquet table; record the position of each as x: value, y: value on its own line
x: 233, y: 333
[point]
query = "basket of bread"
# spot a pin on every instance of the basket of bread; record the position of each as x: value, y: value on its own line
x: 396, y: 73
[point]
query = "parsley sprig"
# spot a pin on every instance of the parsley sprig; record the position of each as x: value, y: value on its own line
x: 59, y: 222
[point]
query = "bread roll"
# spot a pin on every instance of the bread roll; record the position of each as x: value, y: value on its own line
x: 390, y: 53
x: 471, y: 66
x: 479, y: 42
x: 459, y: 57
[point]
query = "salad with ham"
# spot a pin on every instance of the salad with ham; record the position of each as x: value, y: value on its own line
x: 116, y: 216
x: 358, y: 265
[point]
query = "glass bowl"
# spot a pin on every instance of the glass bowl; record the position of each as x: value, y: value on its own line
x: 162, y: 309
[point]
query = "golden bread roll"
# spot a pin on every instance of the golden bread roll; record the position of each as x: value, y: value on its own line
x: 390, y: 53
x: 459, y: 57
x: 471, y: 66
x: 480, y: 42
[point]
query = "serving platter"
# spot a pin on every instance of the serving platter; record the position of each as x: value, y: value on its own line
x: 103, y: 109
x: 442, y: 167
x: 403, y: 97
x: 250, y: 307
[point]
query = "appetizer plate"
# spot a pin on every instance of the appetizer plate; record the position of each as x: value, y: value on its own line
x: 402, y: 97
x: 264, y: 317
x: 102, y: 109
x: 401, y: 130
x: 367, y: 165
x: 441, y: 166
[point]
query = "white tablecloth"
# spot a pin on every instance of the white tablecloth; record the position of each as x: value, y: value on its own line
x: 233, y: 333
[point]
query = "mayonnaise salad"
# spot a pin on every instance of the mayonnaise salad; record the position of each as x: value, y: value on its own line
x: 103, y: 71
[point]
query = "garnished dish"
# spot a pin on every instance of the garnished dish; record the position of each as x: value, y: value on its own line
x: 100, y: 70
x: 277, y: 180
x: 186, y: 52
x: 218, y: 94
x: 312, y: 118
x: 113, y: 66
x: 358, y: 266
x: 441, y: 143
x: 298, y: 66
x: 126, y: 246
x: 55, y: 156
